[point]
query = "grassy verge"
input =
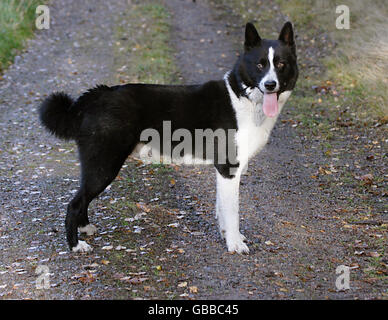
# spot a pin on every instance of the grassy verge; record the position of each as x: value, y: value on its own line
x: 348, y: 66
x: 17, y: 23
x: 349, y: 113
x: 339, y: 107
x: 358, y: 60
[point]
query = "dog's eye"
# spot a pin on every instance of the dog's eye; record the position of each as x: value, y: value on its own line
x: 260, y: 66
x: 280, y: 65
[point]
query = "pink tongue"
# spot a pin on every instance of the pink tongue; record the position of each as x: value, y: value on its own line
x: 270, y: 104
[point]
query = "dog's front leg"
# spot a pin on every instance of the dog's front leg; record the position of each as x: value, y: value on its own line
x: 227, y: 207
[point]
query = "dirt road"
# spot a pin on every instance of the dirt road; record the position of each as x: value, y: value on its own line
x: 158, y: 237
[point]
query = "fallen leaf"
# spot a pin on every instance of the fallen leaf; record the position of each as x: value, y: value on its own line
x: 373, y: 254
x: 324, y: 171
x: 148, y: 288
x: 193, y: 289
x: 136, y: 280
x: 88, y: 278
x: 366, y: 178
x: 143, y: 207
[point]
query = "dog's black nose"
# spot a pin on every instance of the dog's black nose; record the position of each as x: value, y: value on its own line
x: 270, y: 85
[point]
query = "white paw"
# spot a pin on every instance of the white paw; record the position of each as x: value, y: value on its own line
x: 89, y: 229
x: 82, y: 247
x: 235, y: 243
x: 243, y: 238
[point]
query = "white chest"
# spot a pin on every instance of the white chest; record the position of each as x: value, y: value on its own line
x: 254, y: 128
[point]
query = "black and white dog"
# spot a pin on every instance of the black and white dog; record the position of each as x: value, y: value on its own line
x: 107, y: 124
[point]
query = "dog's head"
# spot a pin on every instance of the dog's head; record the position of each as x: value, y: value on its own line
x: 269, y: 66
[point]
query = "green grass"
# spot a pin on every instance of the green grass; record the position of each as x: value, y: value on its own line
x: 357, y: 61
x: 147, y: 44
x: 354, y: 60
x: 17, y: 23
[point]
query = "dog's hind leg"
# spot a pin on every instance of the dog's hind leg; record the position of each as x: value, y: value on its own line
x: 76, y: 211
x: 99, y: 167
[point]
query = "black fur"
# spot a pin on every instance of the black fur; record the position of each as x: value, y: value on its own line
x: 106, y: 122
x: 59, y: 117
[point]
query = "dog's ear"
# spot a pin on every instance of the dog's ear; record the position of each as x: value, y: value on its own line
x: 252, y: 38
x: 287, y: 34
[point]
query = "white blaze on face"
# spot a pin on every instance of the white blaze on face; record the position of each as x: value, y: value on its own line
x: 270, y: 101
x: 271, y: 73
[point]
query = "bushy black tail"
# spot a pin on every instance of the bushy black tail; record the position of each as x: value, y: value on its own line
x: 58, y: 116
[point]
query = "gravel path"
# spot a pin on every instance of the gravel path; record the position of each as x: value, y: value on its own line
x: 39, y: 172
x: 292, y: 227
x: 272, y: 193
x: 296, y: 238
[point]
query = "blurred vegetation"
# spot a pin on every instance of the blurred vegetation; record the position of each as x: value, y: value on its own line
x: 354, y: 60
x: 358, y: 61
x: 17, y: 23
